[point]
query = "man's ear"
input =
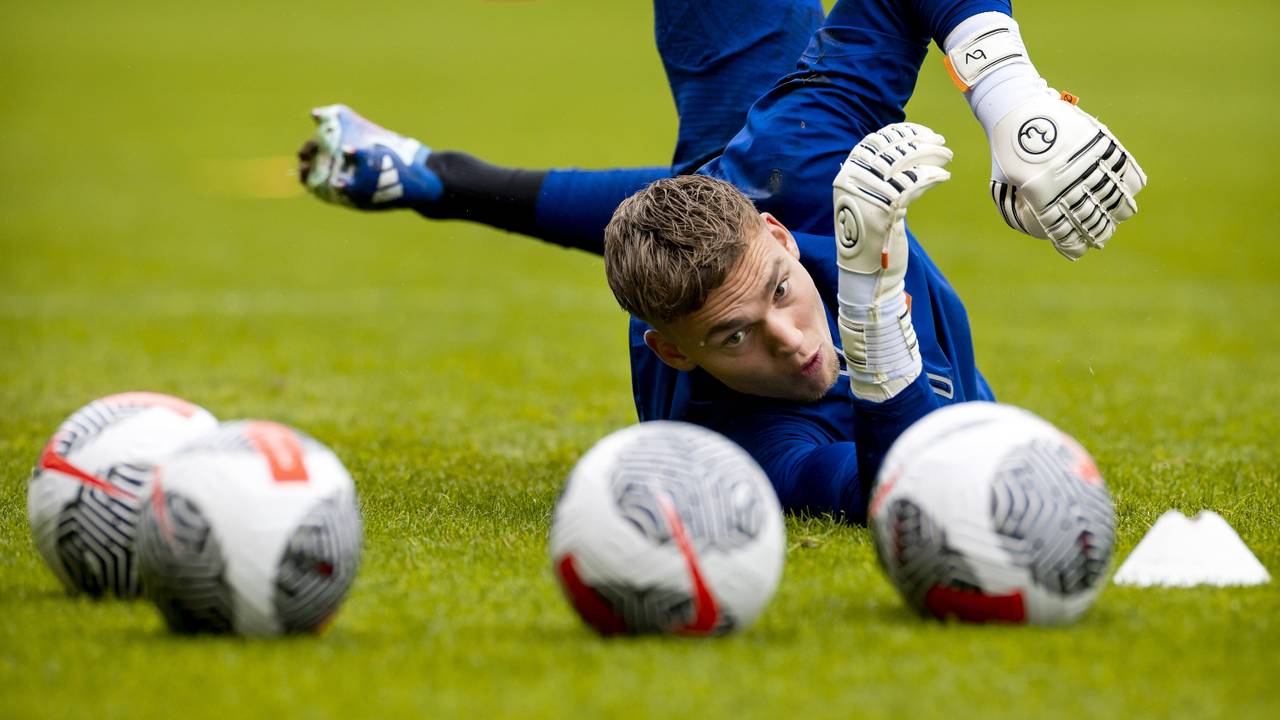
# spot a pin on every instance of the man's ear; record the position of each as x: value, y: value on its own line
x: 779, y: 232
x: 667, y: 351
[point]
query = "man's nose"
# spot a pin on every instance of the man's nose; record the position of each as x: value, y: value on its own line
x: 787, y: 338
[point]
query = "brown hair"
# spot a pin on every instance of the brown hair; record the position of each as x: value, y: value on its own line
x: 671, y: 244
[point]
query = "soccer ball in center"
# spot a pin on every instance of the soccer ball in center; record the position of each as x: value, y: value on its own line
x: 985, y: 512
x: 667, y: 527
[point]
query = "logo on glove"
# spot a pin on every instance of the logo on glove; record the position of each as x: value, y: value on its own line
x: 1037, y: 135
x: 848, y: 226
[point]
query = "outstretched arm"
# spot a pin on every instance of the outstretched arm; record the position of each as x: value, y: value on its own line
x: 812, y: 469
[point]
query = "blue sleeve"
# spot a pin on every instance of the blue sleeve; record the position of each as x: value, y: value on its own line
x: 877, y: 425
x: 939, y: 17
x: 813, y: 471
x: 574, y: 206
x: 912, y: 19
x: 809, y: 470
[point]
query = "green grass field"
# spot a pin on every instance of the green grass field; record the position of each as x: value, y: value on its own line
x: 152, y: 239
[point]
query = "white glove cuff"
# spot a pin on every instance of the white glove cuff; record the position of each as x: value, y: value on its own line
x: 988, y: 61
x: 972, y: 60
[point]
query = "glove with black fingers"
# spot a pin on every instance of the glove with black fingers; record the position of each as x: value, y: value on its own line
x: 1059, y: 174
x: 1056, y: 172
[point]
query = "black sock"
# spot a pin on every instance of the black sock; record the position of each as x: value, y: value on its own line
x: 474, y: 190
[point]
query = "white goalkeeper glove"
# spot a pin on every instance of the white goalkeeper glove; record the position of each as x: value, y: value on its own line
x: 884, y: 173
x: 1057, y: 173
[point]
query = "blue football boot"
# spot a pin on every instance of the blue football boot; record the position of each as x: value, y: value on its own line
x: 364, y: 165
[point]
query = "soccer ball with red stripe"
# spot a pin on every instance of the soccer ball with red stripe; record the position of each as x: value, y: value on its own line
x: 253, y: 529
x: 667, y: 527
x: 84, y: 494
x: 987, y: 513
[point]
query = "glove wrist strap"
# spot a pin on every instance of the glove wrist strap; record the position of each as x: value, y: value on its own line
x: 999, y: 45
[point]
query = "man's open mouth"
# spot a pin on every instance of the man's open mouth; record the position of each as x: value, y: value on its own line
x: 814, y: 362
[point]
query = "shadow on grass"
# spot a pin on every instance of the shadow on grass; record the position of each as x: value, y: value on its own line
x: 158, y: 635
x: 574, y: 634
x: 900, y: 616
x: 24, y: 593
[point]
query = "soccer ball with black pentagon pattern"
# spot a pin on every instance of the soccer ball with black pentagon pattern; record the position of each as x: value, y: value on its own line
x: 985, y: 512
x: 254, y: 529
x: 85, y: 491
x: 667, y: 527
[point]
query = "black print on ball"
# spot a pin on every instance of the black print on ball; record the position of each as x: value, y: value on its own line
x: 88, y: 422
x: 917, y: 554
x: 182, y: 567
x: 1051, y: 518
x: 656, y: 610
x: 95, y: 535
x: 721, y: 515
x: 317, y: 567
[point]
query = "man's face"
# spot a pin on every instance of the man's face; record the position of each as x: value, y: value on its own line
x: 764, y: 330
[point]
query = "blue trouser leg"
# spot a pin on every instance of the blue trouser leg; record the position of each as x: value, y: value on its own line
x: 850, y: 82
x: 877, y: 425
x: 855, y: 76
x: 720, y: 55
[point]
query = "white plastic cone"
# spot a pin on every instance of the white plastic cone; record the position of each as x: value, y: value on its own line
x: 1181, y: 552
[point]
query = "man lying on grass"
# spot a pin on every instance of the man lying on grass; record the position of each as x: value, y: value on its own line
x: 734, y: 314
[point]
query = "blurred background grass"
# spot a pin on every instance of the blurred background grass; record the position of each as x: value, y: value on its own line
x: 152, y: 237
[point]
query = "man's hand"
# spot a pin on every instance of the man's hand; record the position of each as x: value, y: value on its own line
x: 884, y: 174
x: 1058, y: 173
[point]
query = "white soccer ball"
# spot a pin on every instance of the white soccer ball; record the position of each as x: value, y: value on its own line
x: 985, y: 512
x: 666, y: 527
x: 84, y: 493
x: 253, y: 529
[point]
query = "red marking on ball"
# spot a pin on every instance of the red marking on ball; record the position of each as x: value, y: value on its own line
x: 589, y: 603
x: 974, y: 605
x: 281, y: 448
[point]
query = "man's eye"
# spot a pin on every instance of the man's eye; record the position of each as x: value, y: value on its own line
x: 781, y: 290
x: 735, y: 339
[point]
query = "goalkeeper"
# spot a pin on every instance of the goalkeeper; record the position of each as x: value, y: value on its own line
x: 1057, y: 174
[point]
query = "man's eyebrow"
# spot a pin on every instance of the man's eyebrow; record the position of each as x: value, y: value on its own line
x: 733, y: 322
x: 773, y: 279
